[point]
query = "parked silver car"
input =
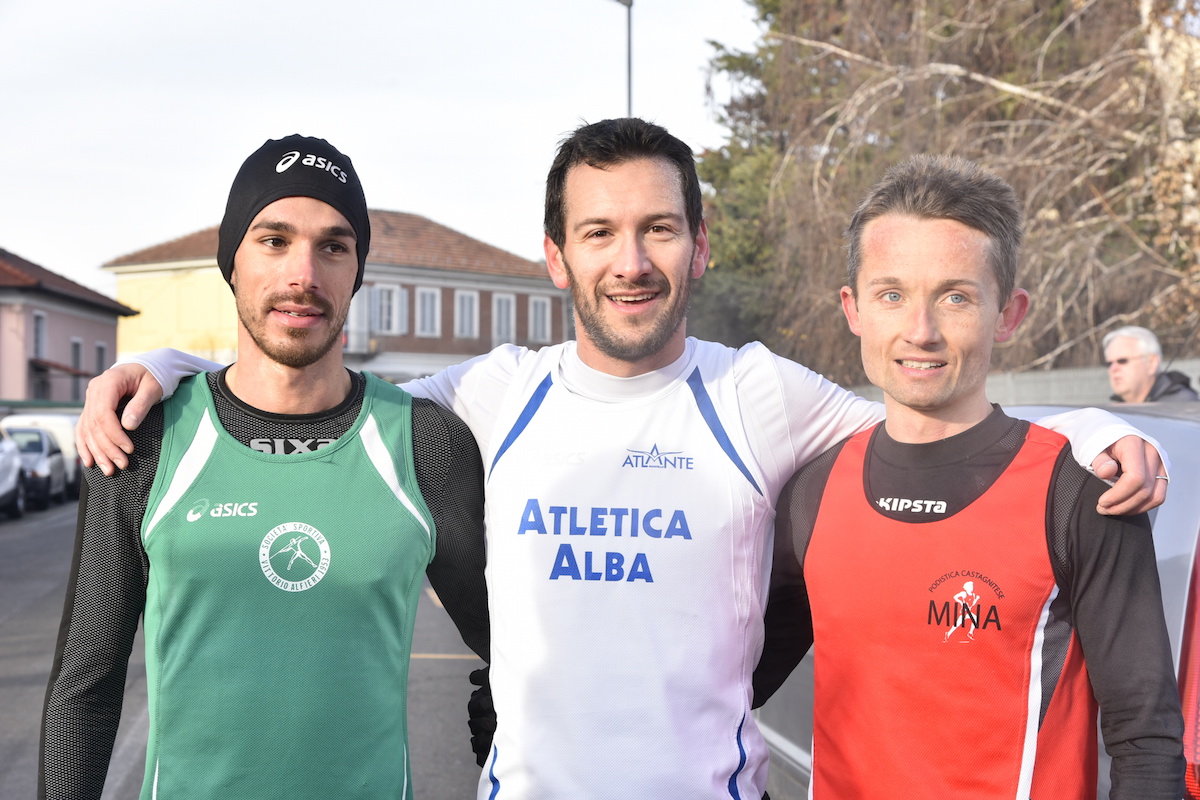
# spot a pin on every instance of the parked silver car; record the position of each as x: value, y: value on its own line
x: 786, y: 719
x: 42, y: 459
x: 62, y: 426
x: 12, y: 478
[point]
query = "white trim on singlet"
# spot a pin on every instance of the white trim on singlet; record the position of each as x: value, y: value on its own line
x: 190, y: 465
x: 1033, y: 713
x: 382, y: 460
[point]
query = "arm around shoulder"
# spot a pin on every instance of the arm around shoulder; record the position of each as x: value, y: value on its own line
x: 169, y: 366
x: 100, y: 437
x: 1115, y: 450
x: 791, y: 413
x: 473, y: 389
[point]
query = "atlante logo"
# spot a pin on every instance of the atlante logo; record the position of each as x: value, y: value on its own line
x: 309, y: 160
x: 203, y: 507
x: 657, y: 459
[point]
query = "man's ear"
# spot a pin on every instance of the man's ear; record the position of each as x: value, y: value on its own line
x: 555, y: 263
x: 1011, y: 315
x: 701, y: 254
x: 850, y: 309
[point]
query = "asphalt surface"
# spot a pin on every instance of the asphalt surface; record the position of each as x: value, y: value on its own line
x: 35, y: 560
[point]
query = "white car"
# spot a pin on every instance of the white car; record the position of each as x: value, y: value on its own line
x: 63, y: 428
x: 12, y: 478
x: 786, y: 719
x: 42, y: 459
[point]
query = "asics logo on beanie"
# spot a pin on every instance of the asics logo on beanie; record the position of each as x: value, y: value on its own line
x: 287, y: 160
x: 311, y: 161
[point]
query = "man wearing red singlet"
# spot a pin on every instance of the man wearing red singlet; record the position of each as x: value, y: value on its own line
x: 959, y: 516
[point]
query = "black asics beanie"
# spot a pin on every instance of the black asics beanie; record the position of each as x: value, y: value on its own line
x: 295, y: 166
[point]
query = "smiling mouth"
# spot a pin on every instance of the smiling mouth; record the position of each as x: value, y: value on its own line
x: 634, y: 298
x: 299, y: 313
x: 922, y: 364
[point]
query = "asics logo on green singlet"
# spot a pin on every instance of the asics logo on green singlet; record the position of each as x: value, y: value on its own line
x: 205, y: 506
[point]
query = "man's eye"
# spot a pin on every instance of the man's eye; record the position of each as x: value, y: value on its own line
x: 892, y: 297
x: 957, y: 298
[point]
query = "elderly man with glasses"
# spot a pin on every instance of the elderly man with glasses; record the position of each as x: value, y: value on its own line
x: 1133, y: 357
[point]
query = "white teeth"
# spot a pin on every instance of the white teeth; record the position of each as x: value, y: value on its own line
x: 298, y: 314
x: 634, y: 299
x: 921, y: 364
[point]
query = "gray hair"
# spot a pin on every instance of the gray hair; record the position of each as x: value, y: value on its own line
x: 946, y: 187
x: 1143, y: 336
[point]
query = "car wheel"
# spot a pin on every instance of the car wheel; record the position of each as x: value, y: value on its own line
x: 16, y: 506
x: 41, y: 500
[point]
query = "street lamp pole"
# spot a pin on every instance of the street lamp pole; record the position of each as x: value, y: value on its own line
x: 628, y: 56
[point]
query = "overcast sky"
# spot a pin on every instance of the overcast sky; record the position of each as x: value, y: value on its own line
x: 124, y: 122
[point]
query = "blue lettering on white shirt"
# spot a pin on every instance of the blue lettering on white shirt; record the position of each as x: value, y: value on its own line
x: 598, y: 521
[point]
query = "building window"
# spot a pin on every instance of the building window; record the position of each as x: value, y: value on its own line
x: 503, y: 318
x: 401, y: 311
x: 101, y: 357
x: 466, y: 314
x: 389, y: 310
x: 77, y: 365
x: 356, y: 330
x: 39, y: 334
x: 539, y: 319
x: 429, y: 311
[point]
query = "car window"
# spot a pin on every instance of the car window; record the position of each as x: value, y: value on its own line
x: 28, y: 441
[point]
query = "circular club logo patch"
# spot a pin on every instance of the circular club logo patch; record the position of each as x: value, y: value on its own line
x: 294, y: 556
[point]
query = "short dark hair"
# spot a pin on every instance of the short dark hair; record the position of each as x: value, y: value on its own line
x: 946, y: 187
x: 611, y: 142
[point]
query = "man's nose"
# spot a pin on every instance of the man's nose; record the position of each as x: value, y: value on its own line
x: 632, y: 259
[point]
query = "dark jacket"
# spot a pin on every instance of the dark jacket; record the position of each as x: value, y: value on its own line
x: 1169, y: 387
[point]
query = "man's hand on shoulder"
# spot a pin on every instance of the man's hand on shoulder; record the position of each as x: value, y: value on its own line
x: 1140, y: 476
x: 100, y: 437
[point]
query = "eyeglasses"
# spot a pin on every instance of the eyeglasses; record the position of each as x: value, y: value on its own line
x: 1121, y: 361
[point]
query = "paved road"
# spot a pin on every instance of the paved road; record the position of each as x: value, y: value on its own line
x: 35, y: 559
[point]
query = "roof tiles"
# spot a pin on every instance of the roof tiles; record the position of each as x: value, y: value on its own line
x: 19, y: 273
